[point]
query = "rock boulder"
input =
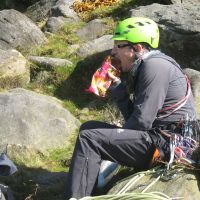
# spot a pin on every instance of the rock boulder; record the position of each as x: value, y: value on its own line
x: 98, y: 45
x: 14, y: 69
x: 92, y: 30
x: 34, y: 120
x: 48, y: 62
x: 40, y: 10
x: 63, y: 8
x: 54, y: 24
x: 18, y: 32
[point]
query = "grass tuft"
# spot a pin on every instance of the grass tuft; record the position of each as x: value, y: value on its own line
x: 41, y: 175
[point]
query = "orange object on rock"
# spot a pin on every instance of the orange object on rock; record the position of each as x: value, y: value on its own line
x: 155, y: 159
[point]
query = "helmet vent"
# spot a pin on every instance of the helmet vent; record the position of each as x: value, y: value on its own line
x: 139, y: 23
x: 117, y: 33
x: 125, y: 32
x: 130, y: 26
x: 147, y: 22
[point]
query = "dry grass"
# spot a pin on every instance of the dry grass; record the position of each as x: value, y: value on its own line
x: 83, y: 6
x: 13, y: 81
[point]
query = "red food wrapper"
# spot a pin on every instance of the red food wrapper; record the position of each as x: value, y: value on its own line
x: 100, y: 80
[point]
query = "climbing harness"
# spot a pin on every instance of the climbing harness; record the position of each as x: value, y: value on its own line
x: 181, y: 145
x: 184, y: 144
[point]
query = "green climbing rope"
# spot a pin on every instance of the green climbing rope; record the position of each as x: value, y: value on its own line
x: 133, y: 196
x: 122, y: 195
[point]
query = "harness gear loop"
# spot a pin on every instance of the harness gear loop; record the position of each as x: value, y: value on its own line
x: 172, y: 146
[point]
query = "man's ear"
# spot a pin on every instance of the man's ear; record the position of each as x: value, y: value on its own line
x: 138, y: 48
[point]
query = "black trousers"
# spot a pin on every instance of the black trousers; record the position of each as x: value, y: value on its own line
x: 99, y: 141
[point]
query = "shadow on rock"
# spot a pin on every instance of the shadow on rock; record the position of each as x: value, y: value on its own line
x: 79, y: 80
x: 36, y: 183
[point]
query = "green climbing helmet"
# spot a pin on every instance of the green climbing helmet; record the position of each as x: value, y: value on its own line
x: 136, y: 30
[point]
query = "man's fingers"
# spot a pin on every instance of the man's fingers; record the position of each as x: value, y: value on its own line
x: 113, y: 77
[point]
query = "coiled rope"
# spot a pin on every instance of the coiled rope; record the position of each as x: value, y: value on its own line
x: 122, y: 195
x: 134, y: 196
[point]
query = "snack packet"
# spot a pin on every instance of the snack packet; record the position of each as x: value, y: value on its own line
x: 100, y: 80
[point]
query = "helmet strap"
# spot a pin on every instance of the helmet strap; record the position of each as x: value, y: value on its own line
x: 138, y: 60
x: 135, y: 67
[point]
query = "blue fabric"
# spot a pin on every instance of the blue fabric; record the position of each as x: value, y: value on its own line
x: 7, y: 167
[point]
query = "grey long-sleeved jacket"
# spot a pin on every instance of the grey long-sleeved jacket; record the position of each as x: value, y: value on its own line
x: 159, y: 84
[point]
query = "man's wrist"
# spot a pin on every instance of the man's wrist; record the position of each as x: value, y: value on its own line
x: 116, y: 80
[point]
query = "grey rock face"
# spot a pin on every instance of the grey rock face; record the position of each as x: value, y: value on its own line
x: 49, y: 62
x: 180, y: 30
x: 18, y: 31
x: 13, y: 67
x: 12, y: 63
x: 20, y: 5
x: 95, y: 46
x: 40, y: 9
x: 12, y: 3
x: 194, y: 77
x: 68, y: 2
x: 184, y: 1
x: 53, y: 24
x: 94, y: 29
x: 34, y: 120
x: 64, y: 10
x: 43, y: 77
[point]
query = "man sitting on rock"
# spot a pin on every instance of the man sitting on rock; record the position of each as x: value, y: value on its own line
x: 162, y: 99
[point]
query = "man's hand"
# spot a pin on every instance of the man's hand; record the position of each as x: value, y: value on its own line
x: 113, y: 77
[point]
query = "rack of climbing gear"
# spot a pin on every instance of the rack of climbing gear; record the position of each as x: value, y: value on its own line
x: 183, y: 145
